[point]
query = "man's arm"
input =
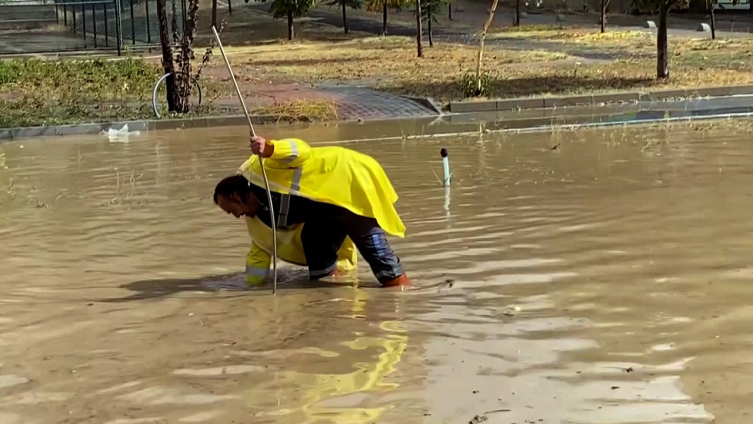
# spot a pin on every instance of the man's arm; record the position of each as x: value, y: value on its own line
x: 289, y: 152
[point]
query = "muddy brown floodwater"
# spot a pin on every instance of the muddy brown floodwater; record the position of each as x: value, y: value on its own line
x: 607, y: 280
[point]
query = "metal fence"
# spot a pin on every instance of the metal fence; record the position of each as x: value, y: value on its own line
x: 120, y: 23
x: 83, y: 25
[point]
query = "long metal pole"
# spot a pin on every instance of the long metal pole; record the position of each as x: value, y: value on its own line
x: 261, y: 162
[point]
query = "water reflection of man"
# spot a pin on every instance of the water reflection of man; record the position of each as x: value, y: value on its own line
x: 335, y: 193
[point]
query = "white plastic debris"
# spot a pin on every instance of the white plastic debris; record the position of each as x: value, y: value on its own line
x: 120, y: 135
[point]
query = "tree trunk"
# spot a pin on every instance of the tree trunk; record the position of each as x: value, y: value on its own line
x: 214, y: 13
x: 603, y: 15
x: 419, y: 32
x: 713, y: 23
x: 345, y: 19
x: 183, y: 60
x: 662, y: 59
x: 291, y: 31
x: 384, y: 19
x: 428, y: 13
x: 481, y: 44
x: 167, y: 55
x: 517, y: 13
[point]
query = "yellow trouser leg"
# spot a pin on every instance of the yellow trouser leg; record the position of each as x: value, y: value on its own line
x: 257, y: 265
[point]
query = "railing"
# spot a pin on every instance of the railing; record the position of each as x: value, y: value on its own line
x: 98, y: 24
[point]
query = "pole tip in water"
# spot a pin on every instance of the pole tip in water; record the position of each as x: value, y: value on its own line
x: 443, y: 152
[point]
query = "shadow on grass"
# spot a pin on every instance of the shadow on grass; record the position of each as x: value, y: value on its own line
x: 525, y: 87
x: 703, y: 60
x: 261, y: 37
x: 252, y: 27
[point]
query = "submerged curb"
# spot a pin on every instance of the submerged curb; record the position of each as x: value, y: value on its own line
x: 532, y: 113
x: 547, y: 102
x: 8, y: 134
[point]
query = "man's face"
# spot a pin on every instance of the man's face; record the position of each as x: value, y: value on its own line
x: 238, y: 206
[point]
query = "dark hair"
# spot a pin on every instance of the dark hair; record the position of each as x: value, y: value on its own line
x: 234, y: 184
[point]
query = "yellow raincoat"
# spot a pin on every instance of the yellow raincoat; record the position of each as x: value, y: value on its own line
x: 334, y: 175
x: 289, y: 249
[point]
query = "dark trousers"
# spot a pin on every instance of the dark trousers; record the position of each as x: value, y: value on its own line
x: 324, y: 233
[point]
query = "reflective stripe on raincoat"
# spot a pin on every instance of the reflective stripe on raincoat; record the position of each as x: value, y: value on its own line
x: 333, y: 175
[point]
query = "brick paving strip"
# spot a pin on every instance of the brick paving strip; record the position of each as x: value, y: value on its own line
x: 356, y: 103
x: 352, y: 103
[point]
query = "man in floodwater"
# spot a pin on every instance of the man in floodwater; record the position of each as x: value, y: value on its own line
x: 338, y: 195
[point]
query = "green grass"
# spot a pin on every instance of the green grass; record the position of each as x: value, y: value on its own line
x: 33, y: 112
x: 46, y: 92
x: 82, y: 79
x: 37, y: 92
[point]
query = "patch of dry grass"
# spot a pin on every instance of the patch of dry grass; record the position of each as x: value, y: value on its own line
x: 530, y: 28
x: 391, y: 64
x: 301, y: 111
x: 579, y: 36
x: 693, y: 63
x: 546, y: 60
x: 377, y: 59
x: 628, y: 40
x: 579, y: 79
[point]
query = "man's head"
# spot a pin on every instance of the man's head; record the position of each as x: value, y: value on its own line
x: 234, y: 196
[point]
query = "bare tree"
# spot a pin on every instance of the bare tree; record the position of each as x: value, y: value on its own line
x: 177, y: 54
x: 419, y: 32
x: 431, y: 16
x: 603, y: 20
x: 344, y: 4
x: 481, y: 43
x: 167, y: 55
x: 713, y: 23
x: 214, y: 13
x: 383, y: 5
x: 662, y: 54
x: 291, y: 9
